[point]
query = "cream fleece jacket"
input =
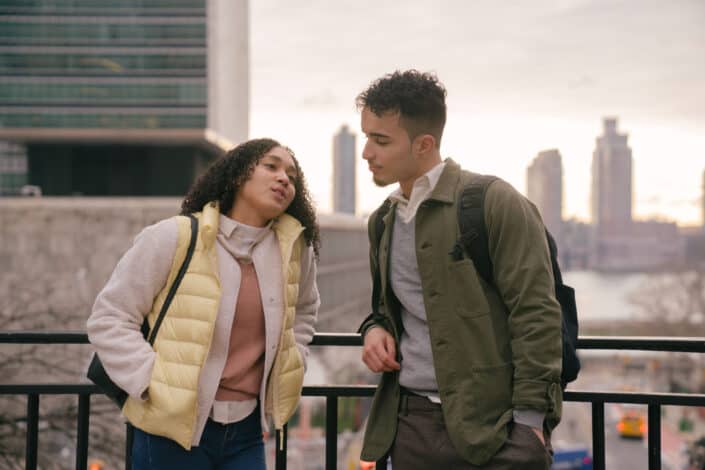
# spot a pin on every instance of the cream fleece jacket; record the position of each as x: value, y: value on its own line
x: 119, y: 310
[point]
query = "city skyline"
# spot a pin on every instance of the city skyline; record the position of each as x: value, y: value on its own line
x: 520, y: 79
x: 543, y: 159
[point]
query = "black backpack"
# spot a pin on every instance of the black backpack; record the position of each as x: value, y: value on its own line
x: 473, y: 241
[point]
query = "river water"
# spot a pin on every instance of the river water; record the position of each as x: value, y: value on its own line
x: 599, y: 297
x: 604, y: 297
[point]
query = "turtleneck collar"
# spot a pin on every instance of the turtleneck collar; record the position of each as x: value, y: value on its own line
x: 239, y: 239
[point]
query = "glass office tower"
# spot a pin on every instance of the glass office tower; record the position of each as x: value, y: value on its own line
x: 122, y: 97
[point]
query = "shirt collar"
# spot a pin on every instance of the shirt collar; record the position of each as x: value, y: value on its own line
x: 228, y: 227
x: 434, y: 174
x: 427, y: 182
x: 422, y: 190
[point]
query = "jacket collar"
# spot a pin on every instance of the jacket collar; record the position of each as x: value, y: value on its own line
x: 444, y: 190
x: 286, y: 226
x: 210, y: 216
x: 447, y: 183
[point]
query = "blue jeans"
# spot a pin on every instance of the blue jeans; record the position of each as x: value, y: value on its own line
x: 235, y: 446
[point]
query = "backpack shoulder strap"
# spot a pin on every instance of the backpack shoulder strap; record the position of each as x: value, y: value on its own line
x: 175, y: 285
x: 379, y: 230
x: 471, y: 222
x: 379, y: 219
x: 553, y: 251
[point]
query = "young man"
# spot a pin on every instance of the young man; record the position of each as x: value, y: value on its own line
x: 471, y: 371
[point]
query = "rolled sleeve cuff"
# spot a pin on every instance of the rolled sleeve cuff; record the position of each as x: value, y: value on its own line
x: 535, y: 395
x: 372, y: 320
x: 530, y: 418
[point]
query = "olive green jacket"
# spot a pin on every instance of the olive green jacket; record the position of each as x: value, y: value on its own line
x: 494, y: 349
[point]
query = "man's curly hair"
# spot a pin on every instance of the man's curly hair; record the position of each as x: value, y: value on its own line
x: 225, y: 176
x: 419, y: 98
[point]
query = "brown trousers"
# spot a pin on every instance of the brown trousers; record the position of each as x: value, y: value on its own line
x: 422, y: 443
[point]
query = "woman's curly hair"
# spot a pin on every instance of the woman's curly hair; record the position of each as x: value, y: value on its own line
x: 225, y: 176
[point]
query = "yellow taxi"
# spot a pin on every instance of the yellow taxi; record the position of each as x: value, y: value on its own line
x: 631, y: 424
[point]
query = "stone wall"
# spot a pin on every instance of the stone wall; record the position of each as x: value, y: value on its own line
x: 57, y: 253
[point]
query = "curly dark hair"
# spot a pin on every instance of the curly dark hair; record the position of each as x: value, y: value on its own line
x: 224, y: 177
x: 419, y: 98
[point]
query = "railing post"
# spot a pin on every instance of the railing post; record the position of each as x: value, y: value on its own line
x: 654, y: 424
x: 129, y: 437
x: 332, y: 432
x: 84, y: 410
x: 280, y: 448
x: 32, y: 437
x: 598, y: 435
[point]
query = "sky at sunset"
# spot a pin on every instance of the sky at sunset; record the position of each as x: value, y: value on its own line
x: 521, y: 77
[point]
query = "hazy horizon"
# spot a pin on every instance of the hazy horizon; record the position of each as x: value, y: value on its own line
x: 521, y: 79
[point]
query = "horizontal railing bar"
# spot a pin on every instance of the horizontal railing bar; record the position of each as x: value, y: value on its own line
x: 677, y: 399
x: 339, y: 390
x: 49, y: 389
x: 79, y: 337
x: 43, y: 337
x: 77, y: 389
x: 643, y: 343
x: 633, y: 343
x: 337, y: 339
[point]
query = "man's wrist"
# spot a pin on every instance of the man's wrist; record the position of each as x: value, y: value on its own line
x: 367, y: 328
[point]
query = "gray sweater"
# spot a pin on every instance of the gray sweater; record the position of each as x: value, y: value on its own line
x: 417, y: 371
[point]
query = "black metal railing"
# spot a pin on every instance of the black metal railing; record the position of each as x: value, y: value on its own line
x: 332, y: 393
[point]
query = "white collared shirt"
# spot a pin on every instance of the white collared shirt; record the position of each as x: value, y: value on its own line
x: 420, y: 191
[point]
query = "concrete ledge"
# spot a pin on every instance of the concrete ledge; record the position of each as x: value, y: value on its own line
x: 326, y: 220
x: 83, y: 202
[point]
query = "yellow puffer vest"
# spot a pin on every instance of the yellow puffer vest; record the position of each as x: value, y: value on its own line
x: 185, y: 335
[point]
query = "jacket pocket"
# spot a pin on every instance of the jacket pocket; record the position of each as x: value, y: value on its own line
x: 465, y: 289
x: 492, y: 391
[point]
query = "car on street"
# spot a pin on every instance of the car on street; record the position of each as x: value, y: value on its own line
x: 632, y: 424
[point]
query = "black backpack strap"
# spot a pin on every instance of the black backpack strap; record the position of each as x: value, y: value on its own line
x: 473, y: 232
x: 379, y: 230
x: 179, y: 276
x: 553, y: 251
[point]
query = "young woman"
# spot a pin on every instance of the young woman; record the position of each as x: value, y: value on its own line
x: 232, y: 347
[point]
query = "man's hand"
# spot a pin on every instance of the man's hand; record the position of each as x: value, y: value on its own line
x: 379, y: 351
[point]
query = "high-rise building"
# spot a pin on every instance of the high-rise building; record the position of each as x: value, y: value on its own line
x: 618, y: 242
x: 344, y: 171
x: 702, y: 202
x: 611, y: 198
x: 13, y: 168
x: 122, y: 97
x: 544, y: 187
